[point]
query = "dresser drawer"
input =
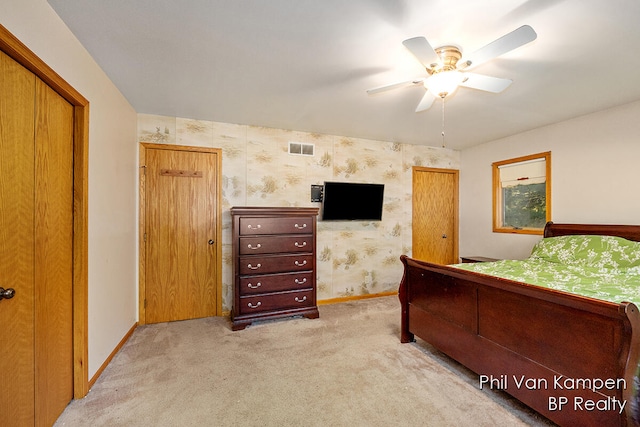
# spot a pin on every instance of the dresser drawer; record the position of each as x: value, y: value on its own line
x: 275, y: 244
x: 275, y: 283
x: 253, y: 265
x: 273, y: 225
x: 279, y: 301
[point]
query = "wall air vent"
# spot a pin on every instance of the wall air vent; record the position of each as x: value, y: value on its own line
x: 301, y: 149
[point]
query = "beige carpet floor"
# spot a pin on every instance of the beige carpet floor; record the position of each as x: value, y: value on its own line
x: 347, y: 368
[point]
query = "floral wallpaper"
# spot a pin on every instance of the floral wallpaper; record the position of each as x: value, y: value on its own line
x: 353, y: 258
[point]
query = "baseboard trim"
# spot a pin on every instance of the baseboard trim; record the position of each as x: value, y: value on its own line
x: 122, y: 342
x: 356, y: 297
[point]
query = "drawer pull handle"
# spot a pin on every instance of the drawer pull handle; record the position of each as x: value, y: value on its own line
x: 300, y: 227
x: 300, y: 245
x: 251, y: 227
x: 258, y: 304
x: 300, y: 282
x: 256, y: 286
x: 254, y: 268
x: 258, y: 246
x: 298, y: 263
x: 304, y: 298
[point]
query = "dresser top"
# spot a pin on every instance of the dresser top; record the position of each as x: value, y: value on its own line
x: 273, y: 210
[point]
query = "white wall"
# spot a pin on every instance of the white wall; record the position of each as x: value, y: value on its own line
x: 112, y: 172
x: 595, y: 178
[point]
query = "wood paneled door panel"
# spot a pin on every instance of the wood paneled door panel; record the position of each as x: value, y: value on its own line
x: 435, y: 215
x: 36, y: 248
x: 17, y: 242
x: 53, y: 252
x: 181, y: 222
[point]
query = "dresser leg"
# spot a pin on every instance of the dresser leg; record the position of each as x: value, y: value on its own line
x: 239, y: 326
x: 312, y: 315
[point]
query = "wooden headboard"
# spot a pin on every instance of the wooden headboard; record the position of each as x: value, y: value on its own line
x: 630, y: 232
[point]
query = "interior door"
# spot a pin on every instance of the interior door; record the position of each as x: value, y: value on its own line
x: 435, y: 215
x: 53, y: 315
x: 17, y: 242
x: 181, y: 241
x: 36, y: 223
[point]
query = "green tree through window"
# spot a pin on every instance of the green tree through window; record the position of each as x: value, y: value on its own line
x: 522, y: 194
x: 525, y: 206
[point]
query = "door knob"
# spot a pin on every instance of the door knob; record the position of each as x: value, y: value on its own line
x: 7, y: 293
x: 444, y: 236
x: 211, y: 242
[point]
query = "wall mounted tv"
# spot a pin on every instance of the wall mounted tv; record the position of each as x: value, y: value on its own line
x: 348, y: 201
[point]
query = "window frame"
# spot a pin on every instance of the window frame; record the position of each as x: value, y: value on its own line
x: 498, y: 226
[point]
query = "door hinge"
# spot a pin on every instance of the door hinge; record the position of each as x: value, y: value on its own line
x: 145, y: 303
x: 144, y: 237
x: 144, y: 169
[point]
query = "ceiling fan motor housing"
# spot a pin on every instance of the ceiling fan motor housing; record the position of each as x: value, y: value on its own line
x: 449, y: 56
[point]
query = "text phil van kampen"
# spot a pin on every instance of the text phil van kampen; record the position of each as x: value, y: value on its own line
x: 559, y: 383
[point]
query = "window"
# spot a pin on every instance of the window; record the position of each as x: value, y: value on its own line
x: 522, y: 194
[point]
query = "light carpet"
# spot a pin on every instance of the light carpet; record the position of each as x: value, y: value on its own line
x: 347, y: 368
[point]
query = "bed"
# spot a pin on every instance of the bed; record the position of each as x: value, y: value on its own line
x: 572, y: 358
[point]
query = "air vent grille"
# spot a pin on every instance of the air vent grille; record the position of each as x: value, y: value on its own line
x: 301, y: 149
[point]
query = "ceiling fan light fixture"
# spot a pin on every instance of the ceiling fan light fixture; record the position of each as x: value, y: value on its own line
x: 444, y: 83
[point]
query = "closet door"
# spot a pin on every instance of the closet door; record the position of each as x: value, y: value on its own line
x: 53, y: 254
x: 17, y: 242
x: 36, y: 231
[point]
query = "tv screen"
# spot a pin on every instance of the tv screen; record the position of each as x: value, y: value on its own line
x: 352, y: 201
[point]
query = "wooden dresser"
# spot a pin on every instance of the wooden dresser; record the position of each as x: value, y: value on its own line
x: 274, y: 264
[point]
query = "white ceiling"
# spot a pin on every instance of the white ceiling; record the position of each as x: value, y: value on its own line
x: 306, y: 64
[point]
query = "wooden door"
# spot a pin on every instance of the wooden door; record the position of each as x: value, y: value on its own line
x: 54, y: 254
x: 181, y: 233
x: 36, y: 227
x: 17, y: 242
x: 435, y: 215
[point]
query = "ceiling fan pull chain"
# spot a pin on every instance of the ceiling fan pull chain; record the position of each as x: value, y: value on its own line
x: 443, y: 122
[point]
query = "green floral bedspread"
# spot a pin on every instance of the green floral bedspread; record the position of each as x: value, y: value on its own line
x: 602, y: 267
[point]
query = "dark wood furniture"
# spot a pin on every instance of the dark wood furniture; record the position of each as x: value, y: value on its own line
x: 274, y: 263
x: 471, y: 259
x: 502, y: 329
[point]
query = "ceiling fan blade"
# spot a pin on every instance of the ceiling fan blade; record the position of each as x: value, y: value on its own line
x: 504, y: 44
x: 422, y: 50
x: 425, y: 102
x: 486, y: 83
x: 391, y: 86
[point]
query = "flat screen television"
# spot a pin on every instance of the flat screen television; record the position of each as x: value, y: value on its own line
x: 348, y: 201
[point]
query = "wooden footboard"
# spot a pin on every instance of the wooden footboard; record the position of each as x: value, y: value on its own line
x: 571, y: 358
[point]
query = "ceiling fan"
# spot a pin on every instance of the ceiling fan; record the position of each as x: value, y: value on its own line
x: 448, y: 69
